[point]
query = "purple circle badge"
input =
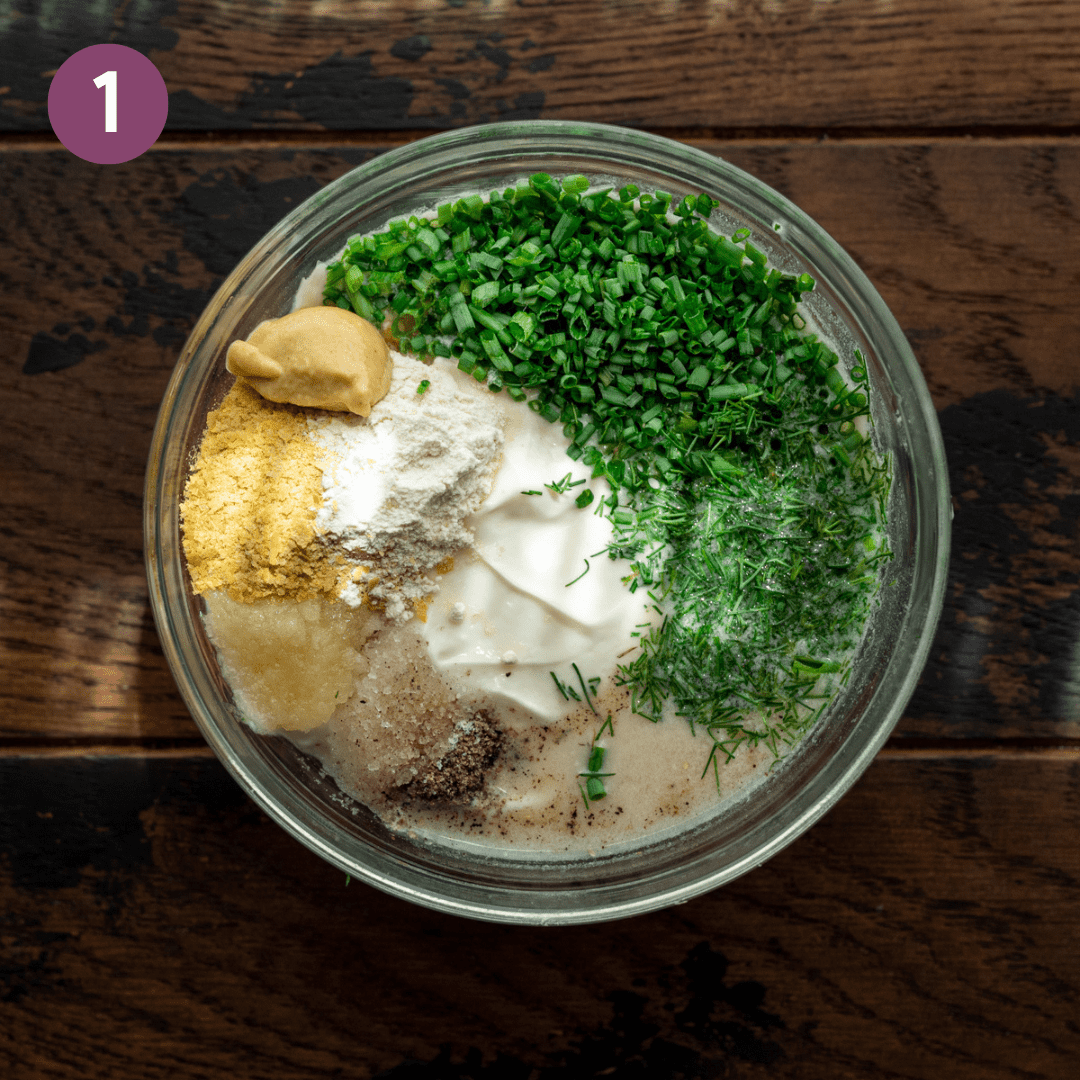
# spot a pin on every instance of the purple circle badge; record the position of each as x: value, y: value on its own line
x: 108, y: 104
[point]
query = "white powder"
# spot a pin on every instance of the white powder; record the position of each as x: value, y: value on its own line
x: 405, y: 478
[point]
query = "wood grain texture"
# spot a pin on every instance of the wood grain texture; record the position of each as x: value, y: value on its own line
x: 744, y: 64
x: 972, y: 246
x: 154, y: 924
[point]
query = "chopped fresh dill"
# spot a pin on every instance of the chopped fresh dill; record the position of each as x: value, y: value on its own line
x: 593, y: 683
x: 532, y: 493
x: 567, y: 691
x: 745, y: 490
x: 763, y: 592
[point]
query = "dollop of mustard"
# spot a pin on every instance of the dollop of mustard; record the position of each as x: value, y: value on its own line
x: 320, y: 357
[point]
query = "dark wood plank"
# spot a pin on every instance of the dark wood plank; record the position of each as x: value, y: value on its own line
x: 154, y: 924
x: 797, y: 66
x: 972, y: 245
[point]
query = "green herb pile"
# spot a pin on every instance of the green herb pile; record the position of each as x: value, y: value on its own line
x: 743, y: 492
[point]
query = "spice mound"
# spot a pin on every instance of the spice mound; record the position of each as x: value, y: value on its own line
x: 399, y: 486
x: 320, y: 357
x: 314, y: 538
x: 460, y: 775
x: 250, y: 504
x: 283, y: 503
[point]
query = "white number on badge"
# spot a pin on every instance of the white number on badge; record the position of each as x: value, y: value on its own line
x: 108, y: 80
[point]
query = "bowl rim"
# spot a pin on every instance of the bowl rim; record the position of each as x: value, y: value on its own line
x: 589, y: 139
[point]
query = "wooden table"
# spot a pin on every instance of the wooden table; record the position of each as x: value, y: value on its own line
x: 153, y: 923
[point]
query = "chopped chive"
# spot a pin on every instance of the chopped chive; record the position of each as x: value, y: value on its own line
x: 585, y: 689
x: 580, y: 576
x: 593, y: 776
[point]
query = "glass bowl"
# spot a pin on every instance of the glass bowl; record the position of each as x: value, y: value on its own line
x: 293, y: 791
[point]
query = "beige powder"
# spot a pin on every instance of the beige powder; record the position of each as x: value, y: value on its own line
x: 249, y: 506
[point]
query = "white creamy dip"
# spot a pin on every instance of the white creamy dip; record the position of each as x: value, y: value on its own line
x: 524, y: 612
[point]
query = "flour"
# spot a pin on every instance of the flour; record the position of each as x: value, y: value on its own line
x: 403, y: 480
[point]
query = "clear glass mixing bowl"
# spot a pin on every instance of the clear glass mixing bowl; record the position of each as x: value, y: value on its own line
x: 293, y: 791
